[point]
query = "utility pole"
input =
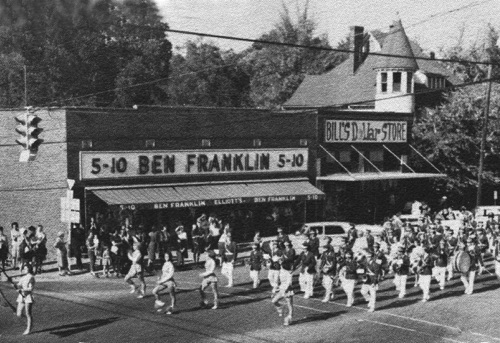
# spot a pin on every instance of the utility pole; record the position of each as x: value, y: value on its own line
x: 483, y: 137
x: 25, y: 87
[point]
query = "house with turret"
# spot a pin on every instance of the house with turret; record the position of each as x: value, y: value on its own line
x: 366, y: 107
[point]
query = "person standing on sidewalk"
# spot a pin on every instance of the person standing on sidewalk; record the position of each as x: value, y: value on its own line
x: 76, y: 244
x: 62, y: 254
x: 92, y: 247
x: 136, y: 270
x: 4, y: 248
x: 209, y: 279
x: 40, y: 246
x: 166, y: 282
x: 15, y: 238
x: 198, y: 243
x: 25, y: 301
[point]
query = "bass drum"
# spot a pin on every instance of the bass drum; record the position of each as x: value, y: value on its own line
x: 461, y: 262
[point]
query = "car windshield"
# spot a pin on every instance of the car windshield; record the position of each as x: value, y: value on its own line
x: 334, y: 230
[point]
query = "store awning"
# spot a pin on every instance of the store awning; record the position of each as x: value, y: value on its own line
x: 353, y: 177
x: 209, y: 194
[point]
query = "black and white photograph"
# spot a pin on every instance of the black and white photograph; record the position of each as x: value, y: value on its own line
x: 261, y: 171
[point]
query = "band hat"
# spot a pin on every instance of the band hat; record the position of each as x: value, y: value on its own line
x: 280, y: 229
x: 60, y: 234
x: 211, y: 253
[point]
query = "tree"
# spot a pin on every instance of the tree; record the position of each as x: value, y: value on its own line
x: 277, y: 71
x: 74, y: 48
x: 208, y: 76
x: 450, y: 135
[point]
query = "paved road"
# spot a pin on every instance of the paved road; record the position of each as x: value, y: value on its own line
x: 83, y: 309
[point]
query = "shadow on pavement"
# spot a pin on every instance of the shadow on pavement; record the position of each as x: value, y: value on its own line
x: 399, y: 303
x: 74, y: 328
x: 317, y: 317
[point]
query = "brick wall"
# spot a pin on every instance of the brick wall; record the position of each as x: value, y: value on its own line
x: 30, y: 192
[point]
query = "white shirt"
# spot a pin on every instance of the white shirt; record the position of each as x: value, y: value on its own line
x: 167, y: 272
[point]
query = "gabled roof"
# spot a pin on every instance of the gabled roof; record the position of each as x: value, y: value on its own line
x: 341, y: 86
x: 338, y: 86
x: 396, y: 43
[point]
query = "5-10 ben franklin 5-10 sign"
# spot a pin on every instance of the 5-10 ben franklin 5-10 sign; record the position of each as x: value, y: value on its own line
x: 134, y: 164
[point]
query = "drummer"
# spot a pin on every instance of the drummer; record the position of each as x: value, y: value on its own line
x: 475, y: 262
x: 451, y: 243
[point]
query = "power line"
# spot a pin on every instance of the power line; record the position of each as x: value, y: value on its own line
x: 322, y: 48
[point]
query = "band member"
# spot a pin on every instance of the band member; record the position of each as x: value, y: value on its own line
x: 313, y: 243
x: 166, y: 282
x: 425, y: 274
x: 371, y: 277
x: 25, y: 300
x: 273, y: 264
x: 308, y: 270
x: 136, y: 269
x: 416, y: 256
x: 285, y: 292
x: 475, y: 264
x: 441, y: 254
x: 229, y: 255
x: 352, y: 235
x: 328, y: 268
x: 451, y: 243
x: 256, y: 260
x: 401, y: 267
x: 281, y: 238
x: 483, y: 246
x: 62, y: 254
x: 287, y: 260
x: 462, y: 235
x: 209, y: 279
x: 381, y: 259
x: 348, y: 276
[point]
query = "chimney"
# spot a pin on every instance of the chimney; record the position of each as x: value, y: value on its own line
x: 356, y: 45
x: 433, y: 55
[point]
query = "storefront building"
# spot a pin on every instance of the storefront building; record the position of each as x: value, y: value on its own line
x: 164, y: 166
x: 366, y: 164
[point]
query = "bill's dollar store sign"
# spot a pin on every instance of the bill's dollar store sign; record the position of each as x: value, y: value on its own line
x: 133, y: 164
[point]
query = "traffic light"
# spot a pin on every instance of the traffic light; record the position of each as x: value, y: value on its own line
x: 29, y: 130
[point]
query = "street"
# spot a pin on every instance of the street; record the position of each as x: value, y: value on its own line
x: 80, y: 308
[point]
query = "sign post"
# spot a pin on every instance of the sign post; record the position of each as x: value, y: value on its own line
x: 70, y: 210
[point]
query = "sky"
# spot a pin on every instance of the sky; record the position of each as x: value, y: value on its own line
x: 434, y: 24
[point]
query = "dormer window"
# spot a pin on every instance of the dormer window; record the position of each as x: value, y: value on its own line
x: 383, y: 82
x: 436, y: 82
x: 396, y: 82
